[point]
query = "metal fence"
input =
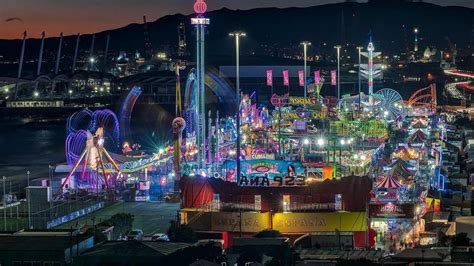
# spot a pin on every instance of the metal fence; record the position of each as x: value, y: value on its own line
x: 66, y: 211
x: 15, y: 217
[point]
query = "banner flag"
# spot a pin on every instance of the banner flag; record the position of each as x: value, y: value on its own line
x: 317, y: 77
x: 333, y: 78
x: 301, y: 77
x: 269, y: 78
x: 286, y: 79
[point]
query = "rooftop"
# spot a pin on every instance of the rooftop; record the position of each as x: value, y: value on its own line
x: 134, y: 249
x: 320, y: 254
x: 38, y: 243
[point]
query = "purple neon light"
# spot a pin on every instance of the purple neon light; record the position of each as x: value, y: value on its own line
x: 86, y: 120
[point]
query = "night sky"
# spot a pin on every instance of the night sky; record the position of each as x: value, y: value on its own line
x: 86, y: 16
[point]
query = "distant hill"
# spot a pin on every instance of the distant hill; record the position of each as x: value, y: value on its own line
x: 330, y: 24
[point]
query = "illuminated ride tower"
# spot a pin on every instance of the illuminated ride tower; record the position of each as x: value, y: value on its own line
x: 200, y: 21
x: 371, y: 71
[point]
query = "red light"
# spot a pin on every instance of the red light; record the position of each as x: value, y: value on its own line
x: 200, y: 7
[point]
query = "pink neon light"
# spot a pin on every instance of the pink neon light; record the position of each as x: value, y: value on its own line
x: 317, y: 76
x: 333, y: 78
x: 269, y: 78
x: 286, y: 79
x: 200, y: 7
x: 301, y: 78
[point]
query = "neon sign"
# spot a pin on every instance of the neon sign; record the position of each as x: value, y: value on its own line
x: 301, y: 101
x: 200, y: 7
x: 293, y: 116
x: 276, y: 181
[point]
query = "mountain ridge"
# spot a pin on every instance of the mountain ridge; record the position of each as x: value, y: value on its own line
x: 288, y: 26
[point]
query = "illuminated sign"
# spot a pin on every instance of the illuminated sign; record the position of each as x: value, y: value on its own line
x: 270, y: 156
x: 391, y: 210
x: 268, y: 172
x: 301, y: 101
x: 200, y: 21
x: 320, y: 222
x: 299, y: 125
x: 251, y: 222
x: 277, y: 100
x: 133, y: 166
x: 276, y: 181
x: 144, y: 185
x: 283, y: 222
x: 265, y: 172
x: 141, y: 198
x: 228, y: 221
x: 200, y: 7
x: 270, y: 167
x: 292, y: 116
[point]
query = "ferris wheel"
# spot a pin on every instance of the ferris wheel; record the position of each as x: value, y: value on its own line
x: 391, y: 101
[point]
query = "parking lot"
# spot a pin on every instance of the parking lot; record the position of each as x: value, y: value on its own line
x: 151, y: 217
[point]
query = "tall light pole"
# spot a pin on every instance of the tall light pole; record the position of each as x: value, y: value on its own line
x: 28, y: 199
x: 4, y: 206
x: 338, y: 51
x: 359, y: 48
x: 305, y: 48
x: 237, y: 35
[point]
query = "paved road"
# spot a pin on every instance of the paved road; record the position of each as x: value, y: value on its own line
x: 151, y: 217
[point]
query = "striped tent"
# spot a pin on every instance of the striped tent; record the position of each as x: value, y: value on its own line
x: 419, y: 123
x: 417, y: 137
x: 388, y: 182
x: 400, y: 171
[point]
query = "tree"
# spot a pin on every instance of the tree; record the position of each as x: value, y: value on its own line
x: 268, y: 233
x: 460, y: 239
x: 122, y: 223
x: 181, y: 233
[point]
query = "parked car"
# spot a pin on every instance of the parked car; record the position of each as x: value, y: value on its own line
x: 136, y: 234
x: 160, y: 237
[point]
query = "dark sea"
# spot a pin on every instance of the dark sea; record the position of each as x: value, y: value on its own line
x: 27, y: 144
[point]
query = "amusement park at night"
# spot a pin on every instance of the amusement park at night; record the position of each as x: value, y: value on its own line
x: 231, y: 150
